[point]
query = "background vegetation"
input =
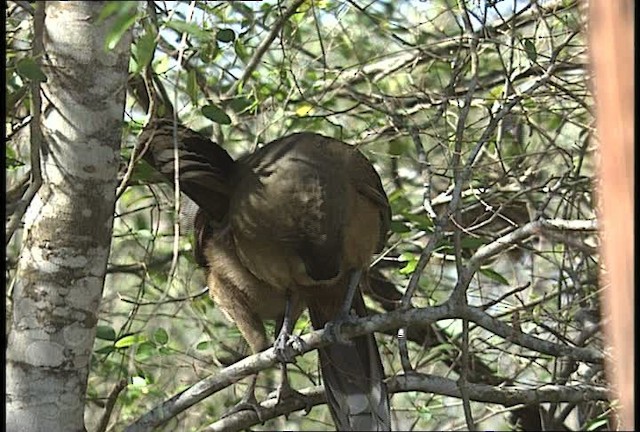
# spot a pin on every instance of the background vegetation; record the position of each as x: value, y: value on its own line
x: 478, y: 117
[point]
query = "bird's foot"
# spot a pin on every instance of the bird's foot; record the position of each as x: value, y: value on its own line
x: 285, y: 392
x: 248, y: 402
x: 286, y: 346
x: 334, y: 327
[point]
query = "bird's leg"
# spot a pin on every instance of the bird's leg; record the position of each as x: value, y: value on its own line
x: 345, y: 315
x: 248, y: 402
x: 287, y: 345
x: 354, y: 280
x: 285, y: 391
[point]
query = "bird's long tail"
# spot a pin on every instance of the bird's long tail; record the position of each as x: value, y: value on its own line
x: 352, y: 373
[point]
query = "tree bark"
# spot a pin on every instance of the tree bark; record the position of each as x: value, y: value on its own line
x: 611, y: 44
x: 68, y: 225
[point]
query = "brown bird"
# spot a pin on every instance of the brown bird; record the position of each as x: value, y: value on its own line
x: 304, y: 215
x: 205, y: 177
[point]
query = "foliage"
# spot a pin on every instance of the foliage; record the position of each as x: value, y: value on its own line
x: 479, y: 121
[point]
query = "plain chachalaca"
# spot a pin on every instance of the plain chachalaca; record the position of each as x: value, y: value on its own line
x: 205, y: 173
x: 305, y: 215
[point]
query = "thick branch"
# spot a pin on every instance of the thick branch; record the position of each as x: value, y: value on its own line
x: 425, y: 383
x: 250, y: 365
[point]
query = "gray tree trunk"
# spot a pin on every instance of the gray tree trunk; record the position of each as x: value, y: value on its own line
x: 68, y: 224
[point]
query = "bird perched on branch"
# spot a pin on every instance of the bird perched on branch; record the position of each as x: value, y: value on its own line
x: 293, y: 224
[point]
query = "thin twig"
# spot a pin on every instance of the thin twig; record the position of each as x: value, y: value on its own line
x: 264, y: 46
x: 461, y: 297
x: 111, y: 403
x: 35, y: 127
x: 176, y: 162
x: 202, y: 292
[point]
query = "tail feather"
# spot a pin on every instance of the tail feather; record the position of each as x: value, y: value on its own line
x: 205, y: 167
x: 353, y: 375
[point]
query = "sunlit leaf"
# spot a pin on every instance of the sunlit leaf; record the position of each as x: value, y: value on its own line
x: 304, y: 109
x: 162, y: 65
x: 138, y: 381
x: 411, y: 260
x: 129, y: 340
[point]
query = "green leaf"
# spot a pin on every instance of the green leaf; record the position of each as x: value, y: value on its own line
x: 597, y: 423
x: 188, y: 28
x: 144, y: 49
x: 472, y: 242
x: 399, y: 202
x: 209, y: 51
x: 216, y: 114
x: 143, y: 172
x: 161, y: 336
x: 398, y: 148
x: 105, y: 332
x: 130, y: 340
x: 165, y: 351
x: 204, y: 345
x: 493, y: 275
x: 12, y: 161
x: 399, y: 227
x: 12, y: 97
x: 409, y: 268
x: 116, y: 7
x: 145, y: 351
x: 241, y: 50
x: 530, y: 50
x: 424, y: 412
x: 422, y: 221
x: 105, y: 349
x: 304, y: 109
x: 28, y: 68
x: 192, y: 87
x: 495, y: 94
x: 125, y: 17
x: 161, y: 65
x: 412, y: 262
x: 240, y: 103
x: 226, y: 35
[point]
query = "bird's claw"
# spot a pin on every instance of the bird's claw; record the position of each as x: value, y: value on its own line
x: 334, y: 327
x: 287, y: 346
x: 285, y: 392
x: 249, y: 402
